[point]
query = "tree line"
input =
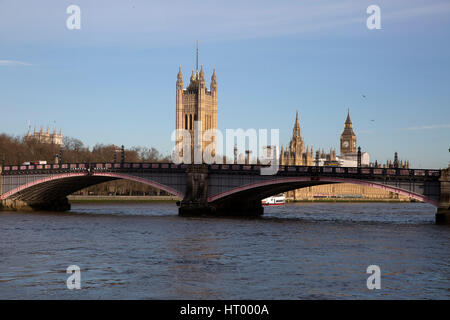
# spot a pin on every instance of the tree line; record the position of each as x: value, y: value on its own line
x: 17, y: 150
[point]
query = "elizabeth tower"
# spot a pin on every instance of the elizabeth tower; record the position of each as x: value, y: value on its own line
x: 348, y: 137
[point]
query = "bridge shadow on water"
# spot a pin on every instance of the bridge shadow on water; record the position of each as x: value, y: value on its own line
x: 348, y: 212
x: 298, y: 212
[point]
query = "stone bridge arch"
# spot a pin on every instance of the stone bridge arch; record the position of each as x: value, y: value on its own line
x: 50, y: 192
x: 250, y: 195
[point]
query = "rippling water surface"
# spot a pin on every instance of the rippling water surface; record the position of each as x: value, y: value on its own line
x: 298, y: 251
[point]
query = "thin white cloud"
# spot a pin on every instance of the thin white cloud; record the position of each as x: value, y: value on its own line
x: 430, y: 127
x: 9, y: 63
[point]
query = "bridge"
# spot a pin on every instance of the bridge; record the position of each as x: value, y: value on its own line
x: 217, y: 189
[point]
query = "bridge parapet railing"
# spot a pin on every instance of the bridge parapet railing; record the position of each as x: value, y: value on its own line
x: 328, y: 170
x: 144, y: 166
x: 222, y: 168
x: 40, y: 167
x: 95, y: 166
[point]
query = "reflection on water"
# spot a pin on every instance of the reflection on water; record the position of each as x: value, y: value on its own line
x: 298, y: 251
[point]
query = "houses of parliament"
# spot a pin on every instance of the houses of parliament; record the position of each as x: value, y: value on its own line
x: 45, y: 136
x: 295, y: 154
x: 197, y: 102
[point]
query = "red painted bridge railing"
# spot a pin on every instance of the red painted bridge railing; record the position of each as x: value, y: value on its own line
x: 219, y: 168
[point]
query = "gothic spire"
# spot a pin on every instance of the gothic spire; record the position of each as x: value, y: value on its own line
x: 179, y: 79
x: 213, y: 81
x: 348, y: 121
x: 296, y: 131
x: 202, y: 73
x: 196, y: 64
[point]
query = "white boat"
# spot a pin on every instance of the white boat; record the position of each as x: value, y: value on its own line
x: 277, y: 200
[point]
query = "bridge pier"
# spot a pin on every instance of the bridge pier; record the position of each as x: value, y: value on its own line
x: 195, y: 201
x: 1, y: 184
x: 443, y: 211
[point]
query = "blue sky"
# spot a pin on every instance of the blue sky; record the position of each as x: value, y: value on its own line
x: 113, y: 81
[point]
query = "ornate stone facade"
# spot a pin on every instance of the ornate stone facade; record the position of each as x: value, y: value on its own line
x: 295, y: 154
x: 344, y: 191
x: 45, y: 136
x: 348, y: 137
x: 196, y: 103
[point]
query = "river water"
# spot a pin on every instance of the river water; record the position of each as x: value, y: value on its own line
x: 298, y: 251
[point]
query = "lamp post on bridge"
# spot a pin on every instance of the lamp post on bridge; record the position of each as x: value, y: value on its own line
x: 115, y: 152
x: 61, y: 155
x: 359, y: 157
x: 396, y: 160
x: 247, y: 156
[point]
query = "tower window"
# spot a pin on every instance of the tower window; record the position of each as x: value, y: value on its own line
x: 190, y: 122
x: 185, y: 122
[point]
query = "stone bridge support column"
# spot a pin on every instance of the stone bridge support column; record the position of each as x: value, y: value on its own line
x: 1, y: 187
x: 195, y: 201
x: 443, y: 211
x: 1, y: 180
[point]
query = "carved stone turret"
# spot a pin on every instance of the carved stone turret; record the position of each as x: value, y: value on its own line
x: 214, y: 82
x: 196, y: 104
x: 179, y: 80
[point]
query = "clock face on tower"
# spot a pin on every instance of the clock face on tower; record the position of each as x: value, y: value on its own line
x: 345, y: 144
